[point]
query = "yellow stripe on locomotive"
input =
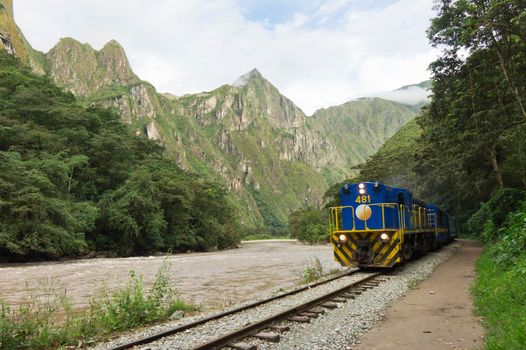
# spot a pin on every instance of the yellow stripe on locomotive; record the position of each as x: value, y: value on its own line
x: 349, y: 249
x: 380, y: 226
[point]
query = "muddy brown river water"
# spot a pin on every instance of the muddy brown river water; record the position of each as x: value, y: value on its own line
x: 212, y: 280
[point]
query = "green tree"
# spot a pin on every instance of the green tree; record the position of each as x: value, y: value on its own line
x: 477, y: 105
x: 34, y: 219
x: 308, y: 225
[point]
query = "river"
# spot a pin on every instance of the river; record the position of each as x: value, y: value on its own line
x: 212, y: 280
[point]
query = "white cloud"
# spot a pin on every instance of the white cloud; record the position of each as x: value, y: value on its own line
x: 411, y: 95
x: 190, y: 46
x: 331, y: 7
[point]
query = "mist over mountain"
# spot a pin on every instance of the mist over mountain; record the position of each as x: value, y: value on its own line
x: 415, y: 94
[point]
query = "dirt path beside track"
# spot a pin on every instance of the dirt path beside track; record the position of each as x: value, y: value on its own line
x: 437, y: 314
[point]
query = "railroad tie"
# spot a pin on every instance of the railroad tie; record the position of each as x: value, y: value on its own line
x: 280, y: 328
x: 302, y: 319
x: 371, y: 285
x: 243, y: 346
x: 317, y: 310
x: 357, y: 291
x: 339, y: 300
x: 309, y: 314
x: 329, y: 305
x: 348, y: 296
x: 273, y: 337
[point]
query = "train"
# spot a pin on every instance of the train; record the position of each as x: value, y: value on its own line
x: 381, y: 226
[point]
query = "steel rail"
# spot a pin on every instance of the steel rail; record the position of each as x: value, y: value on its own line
x: 165, y: 333
x: 256, y: 327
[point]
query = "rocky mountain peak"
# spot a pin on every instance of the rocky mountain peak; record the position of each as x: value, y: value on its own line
x: 85, y: 71
x: 253, y: 75
x: 69, y: 44
x: 113, y: 57
x: 113, y: 44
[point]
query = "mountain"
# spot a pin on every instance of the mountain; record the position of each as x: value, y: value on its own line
x: 270, y: 155
x: 358, y: 129
x: 87, y: 72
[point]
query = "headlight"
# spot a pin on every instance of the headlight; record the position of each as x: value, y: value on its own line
x: 361, y: 186
x: 384, y: 237
x: 361, y: 191
x: 343, y: 238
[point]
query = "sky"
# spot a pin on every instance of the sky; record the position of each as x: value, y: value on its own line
x: 319, y: 53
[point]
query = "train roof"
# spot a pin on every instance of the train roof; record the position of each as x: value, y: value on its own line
x: 399, y: 189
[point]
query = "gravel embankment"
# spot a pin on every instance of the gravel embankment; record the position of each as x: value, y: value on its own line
x: 337, y: 329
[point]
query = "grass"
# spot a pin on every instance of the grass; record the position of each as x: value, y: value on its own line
x: 500, y: 298
x: 314, y: 271
x: 48, y: 321
x: 110, y: 92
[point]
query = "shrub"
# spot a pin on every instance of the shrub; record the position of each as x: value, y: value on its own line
x: 495, y: 210
x: 510, y: 247
x: 312, y: 272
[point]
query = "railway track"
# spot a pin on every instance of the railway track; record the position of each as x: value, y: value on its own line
x: 269, y: 329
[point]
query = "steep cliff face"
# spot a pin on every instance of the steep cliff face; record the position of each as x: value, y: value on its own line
x: 12, y: 40
x: 268, y: 153
x: 10, y: 36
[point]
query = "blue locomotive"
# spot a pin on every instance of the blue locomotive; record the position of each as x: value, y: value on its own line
x: 381, y: 226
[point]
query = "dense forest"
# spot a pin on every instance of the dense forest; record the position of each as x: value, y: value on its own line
x: 75, y: 179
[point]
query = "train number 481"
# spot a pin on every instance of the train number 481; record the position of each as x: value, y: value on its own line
x: 363, y: 199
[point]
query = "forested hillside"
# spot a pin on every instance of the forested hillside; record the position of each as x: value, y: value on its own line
x: 75, y: 179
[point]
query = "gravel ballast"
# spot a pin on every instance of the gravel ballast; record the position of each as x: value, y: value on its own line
x: 337, y: 329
